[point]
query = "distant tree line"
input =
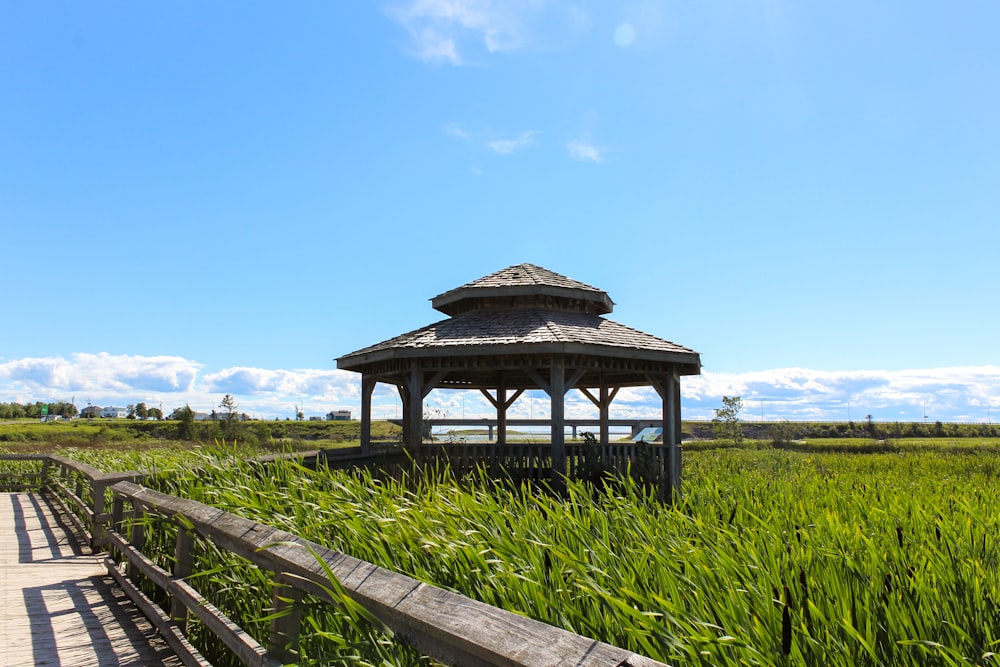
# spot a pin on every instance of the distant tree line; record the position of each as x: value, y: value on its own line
x: 887, y: 430
x: 34, y: 410
x: 67, y: 410
x: 794, y: 430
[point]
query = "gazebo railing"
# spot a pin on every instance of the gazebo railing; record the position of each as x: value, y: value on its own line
x: 534, y: 460
x: 517, y: 460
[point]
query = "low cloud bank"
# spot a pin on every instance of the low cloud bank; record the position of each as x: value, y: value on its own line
x: 962, y: 394
x: 967, y: 394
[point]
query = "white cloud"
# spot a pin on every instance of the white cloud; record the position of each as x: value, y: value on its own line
x: 509, y: 146
x: 943, y: 394
x: 500, y: 146
x: 457, y: 131
x: 84, y: 373
x: 437, y: 27
x: 583, y: 150
x: 318, y: 385
x: 462, y: 32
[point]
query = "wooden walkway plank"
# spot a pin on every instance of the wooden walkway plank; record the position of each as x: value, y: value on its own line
x: 58, y: 606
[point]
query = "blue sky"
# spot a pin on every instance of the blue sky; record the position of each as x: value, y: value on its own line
x: 199, y: 199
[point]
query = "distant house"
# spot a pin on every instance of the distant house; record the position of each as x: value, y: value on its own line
x: 112, y: 412
x: 339, y: 415
x: 220, y: 416
x: 315, y: 418
x: 91, y: 411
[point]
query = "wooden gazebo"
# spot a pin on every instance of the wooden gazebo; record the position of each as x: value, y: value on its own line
x: 521, y: 328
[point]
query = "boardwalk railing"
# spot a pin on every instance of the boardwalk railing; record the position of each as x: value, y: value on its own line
x: 446, y: 626
x: 81, y: 489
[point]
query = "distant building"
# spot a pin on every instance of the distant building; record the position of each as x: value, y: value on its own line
x: 91, y: 411
x: 112, y: 412
x: 220, y: 416
x: 339, y: 415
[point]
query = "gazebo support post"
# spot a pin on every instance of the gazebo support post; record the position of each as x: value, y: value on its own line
x: 557, y: 398
x: 367, y: 389
x: 413, y: 408
x: 501, y: 404
x: 414, y: 426
x: 671, y: 427
x: 603, y: 403
x: 501, y: 413
x: 404, y: 400
x: 605, y: 411
x: 668, y: 387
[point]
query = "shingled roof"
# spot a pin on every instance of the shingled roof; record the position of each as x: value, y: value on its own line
x: 523, y: 280
x: 524, y: 310
x: 524, y: 329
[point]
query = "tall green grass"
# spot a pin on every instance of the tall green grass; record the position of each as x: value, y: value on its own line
x: 773, y: 557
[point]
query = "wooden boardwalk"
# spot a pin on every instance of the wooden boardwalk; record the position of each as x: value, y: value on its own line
x: 58, y: 606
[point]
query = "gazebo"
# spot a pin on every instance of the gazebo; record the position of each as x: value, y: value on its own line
x: 522, y: 328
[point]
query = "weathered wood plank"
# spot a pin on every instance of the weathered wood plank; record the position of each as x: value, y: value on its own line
x: 57, y: 604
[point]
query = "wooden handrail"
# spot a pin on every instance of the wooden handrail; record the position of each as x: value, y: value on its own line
x: 444, y: 625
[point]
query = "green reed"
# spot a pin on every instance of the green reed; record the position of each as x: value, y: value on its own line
x: 772, y: 558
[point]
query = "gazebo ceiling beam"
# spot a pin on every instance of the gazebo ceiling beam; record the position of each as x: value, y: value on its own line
x: 595, y: 400
x: 539, y: 381
x: 507, y: 402
x: 434, y: 382
x: 577, y: 375
x: 513, y: 397
x: 490, y: 398
x: 485, y: 378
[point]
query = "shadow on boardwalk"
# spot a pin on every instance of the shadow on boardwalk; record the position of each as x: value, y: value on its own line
x: 57, y: 604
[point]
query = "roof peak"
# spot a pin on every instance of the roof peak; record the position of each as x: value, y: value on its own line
x: 514, y: 284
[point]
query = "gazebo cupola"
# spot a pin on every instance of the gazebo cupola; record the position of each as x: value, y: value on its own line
x: 521, y: 328
x: 524, y: 286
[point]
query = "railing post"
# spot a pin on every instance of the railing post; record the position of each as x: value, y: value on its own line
x: 46, y: 471
x: 63, y: 477
x: 117, y: 518
x: 97, y: 490
x: 137, y: 538
x: 286, y: 621
x: 183, y: 567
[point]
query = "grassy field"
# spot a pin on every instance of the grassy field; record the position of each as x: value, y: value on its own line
x: 774, y: 557
x: 31, y: 435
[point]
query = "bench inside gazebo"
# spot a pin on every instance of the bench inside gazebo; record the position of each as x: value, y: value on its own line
x: 527, y: 328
